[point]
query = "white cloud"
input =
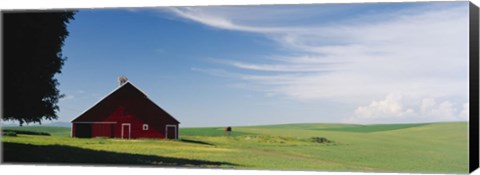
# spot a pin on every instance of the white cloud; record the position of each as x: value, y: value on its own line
x: 391, y: 108
x: 395, y: 108
x: 465, y: 114
x: 67, y: 97
x: 216, y: 17
x: 279, y: 67
x: 442, y: 111
x: 80, y: 92
x: 418, y: 52
x: 424, y: 53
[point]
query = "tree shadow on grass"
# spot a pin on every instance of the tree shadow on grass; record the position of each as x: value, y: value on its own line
x: 59, y: 154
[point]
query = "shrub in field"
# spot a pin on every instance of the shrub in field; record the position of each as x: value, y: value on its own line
x: 9, y: 133
x: 271, y: 139
x: 27, y: 132
x: 320, y: 140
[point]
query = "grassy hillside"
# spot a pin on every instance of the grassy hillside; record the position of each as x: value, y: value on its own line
x: 426, y: 148
x: 53, y: 130
x: 213, y: 131
x: 371, y: 128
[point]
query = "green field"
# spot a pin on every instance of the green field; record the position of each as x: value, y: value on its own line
x: 420, y: 148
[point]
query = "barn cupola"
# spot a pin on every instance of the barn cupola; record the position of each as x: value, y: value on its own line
x: 122, y: 80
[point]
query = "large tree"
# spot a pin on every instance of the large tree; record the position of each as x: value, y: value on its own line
x: 32, y: 55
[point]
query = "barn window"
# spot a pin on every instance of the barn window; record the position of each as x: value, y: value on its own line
x: 145, y: 127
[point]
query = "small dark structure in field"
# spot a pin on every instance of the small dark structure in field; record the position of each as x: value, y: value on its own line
x: 228, y: 130
x: 125, y: 113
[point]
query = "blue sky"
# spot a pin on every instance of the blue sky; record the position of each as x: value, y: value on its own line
x: 252, y: 65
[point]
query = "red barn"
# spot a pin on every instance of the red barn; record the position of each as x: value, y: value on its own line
x: 125, y: 113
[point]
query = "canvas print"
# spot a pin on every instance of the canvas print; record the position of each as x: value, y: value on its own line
x: 367, y: 87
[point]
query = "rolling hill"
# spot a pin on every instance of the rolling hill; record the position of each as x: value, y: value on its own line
x: 419, y: 148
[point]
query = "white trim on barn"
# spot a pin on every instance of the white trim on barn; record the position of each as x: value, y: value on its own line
x: 166, y: 131
x: 145, y: 127
x: 129, y: 130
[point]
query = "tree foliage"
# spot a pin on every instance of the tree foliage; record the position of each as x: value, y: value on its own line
x: 32, y: 48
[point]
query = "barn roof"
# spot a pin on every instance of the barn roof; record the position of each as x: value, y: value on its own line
x: 128, y: 83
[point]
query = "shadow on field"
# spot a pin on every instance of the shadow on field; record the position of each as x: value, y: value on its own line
x: 196, y: 142
x: 58, y: 154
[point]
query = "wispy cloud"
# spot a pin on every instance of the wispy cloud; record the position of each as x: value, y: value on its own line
x: 67, y: 97
x: 246, y: 19
x: 420, y: 51
x: 281, y: 66
x: 80, y: 92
